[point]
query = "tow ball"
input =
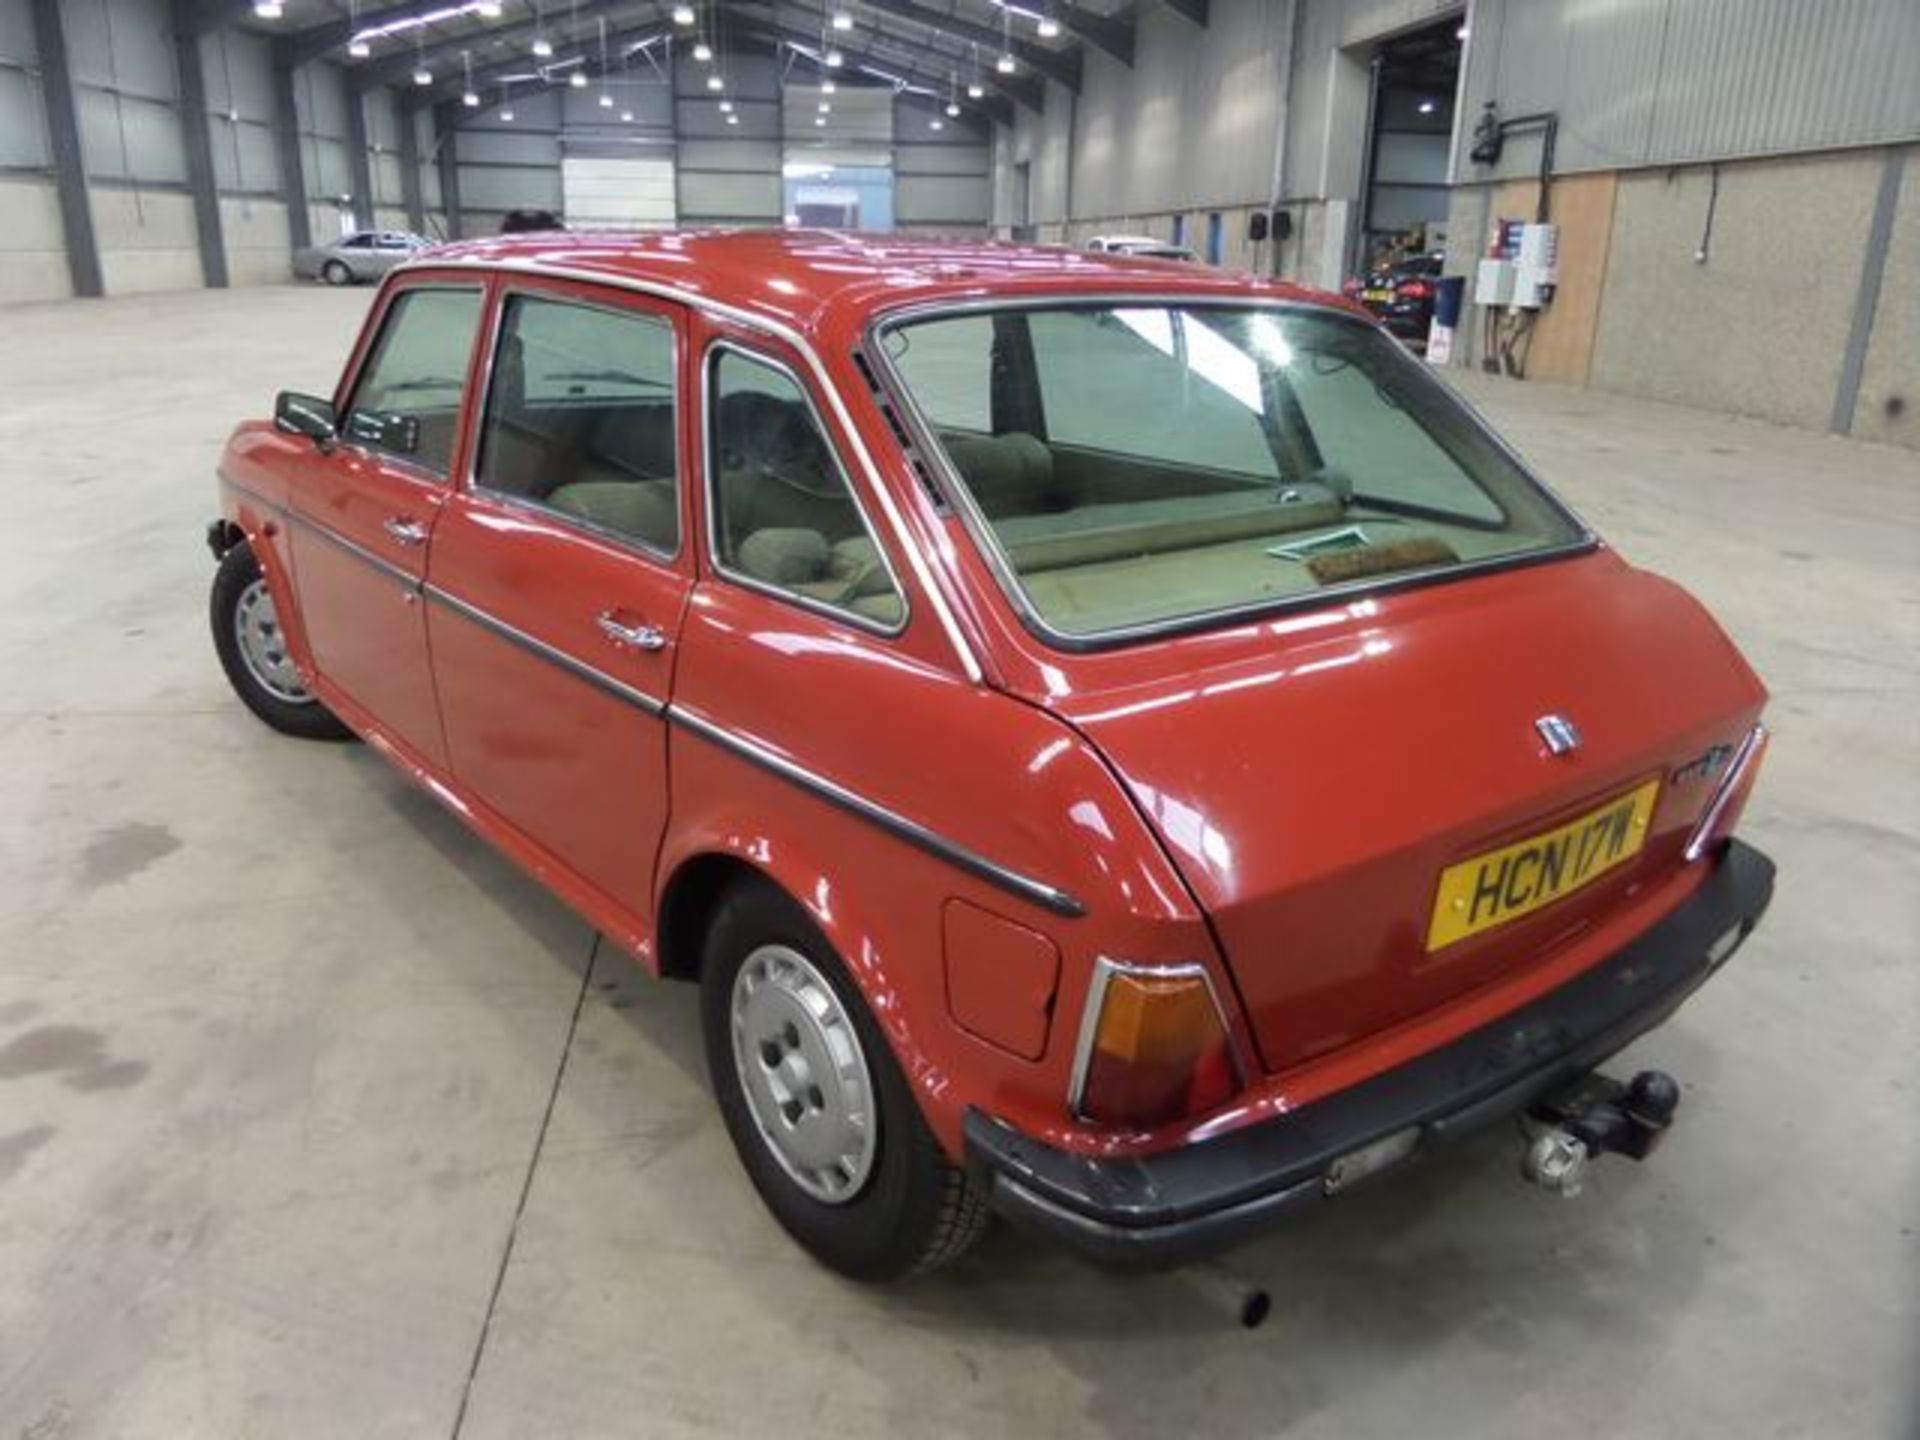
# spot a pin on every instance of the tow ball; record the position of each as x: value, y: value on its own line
x: 1568, y: 1131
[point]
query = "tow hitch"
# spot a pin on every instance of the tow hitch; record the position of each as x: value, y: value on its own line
x: 1599, y: 1114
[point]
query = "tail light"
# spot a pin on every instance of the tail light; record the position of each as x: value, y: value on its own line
x: 1413, y: 290
x: 1153, y: 1046
x: 1723, y: 811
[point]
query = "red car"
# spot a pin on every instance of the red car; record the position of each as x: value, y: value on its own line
x: 1115, y: 744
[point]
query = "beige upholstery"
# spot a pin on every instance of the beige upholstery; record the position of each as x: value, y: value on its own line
x: 1091, y: 533
x: 1008, y: 474
x: 644, y: 509
x: 785, y: 556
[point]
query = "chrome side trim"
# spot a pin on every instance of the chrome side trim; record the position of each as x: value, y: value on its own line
x: 1104, y: 970
x: 963, y: 651
x: 1749, y: 747
x: 709, y: 362
x: 359, y: 552
x: 912, y: 831
x: 578, y: 668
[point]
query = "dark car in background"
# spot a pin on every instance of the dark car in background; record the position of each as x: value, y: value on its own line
x: 1401, y: 294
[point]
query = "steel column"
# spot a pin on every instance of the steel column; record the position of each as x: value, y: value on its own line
x: 359, y: 166
x: 410, y: 172
x: 198, y: 134
x: 63, y: 137
x: 293, y: 173
x: 443, y: 129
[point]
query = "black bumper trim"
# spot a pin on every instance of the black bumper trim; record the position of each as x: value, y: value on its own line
x: 1162, y: 1209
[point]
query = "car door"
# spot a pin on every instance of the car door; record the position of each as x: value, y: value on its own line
x: 559, y: 578
x: 388, y: 251
x: 366, y: 507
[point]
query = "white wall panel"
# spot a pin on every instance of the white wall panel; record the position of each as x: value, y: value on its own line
x: 17, y: 45
x: 148, y: 241
x: 257, y: 240
x: 23, y: 121
x: 33, y: 253
x: 617, y: 194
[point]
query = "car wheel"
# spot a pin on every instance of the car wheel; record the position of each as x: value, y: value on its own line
x: 252, y: 646
x: 815, y: 1103
x: 335, y: 272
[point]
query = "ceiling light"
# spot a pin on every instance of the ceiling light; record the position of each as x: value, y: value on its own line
x: 843, y: 19
x: 827, y: 87
x: 488, y: 9
x: 726, y: 107
x: 714, y: 82
x: 542, y: 47
x: 423, y: 76
x: 1461, y: 33
x: 1048, y: 27
x: 269, y: 9
x: 825, y: 108
x: 1004, y: 65
x: 506, y: 115
x: 683, y: 15
x: 953, y: 109
x: 835, y: 59
x: 578, y: 80
x: 606, y: 101
x: 626, y: 117
x: 702, y: 52
x: 819, y: 119
x: 976, y: 91
x: 1427, y: 107
x: 733, y: 119
x: 359, y: 49
x: 470, y: 100
x: 936, y: 123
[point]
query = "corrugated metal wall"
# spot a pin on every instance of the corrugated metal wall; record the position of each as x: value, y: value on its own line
x: 1664, y: 82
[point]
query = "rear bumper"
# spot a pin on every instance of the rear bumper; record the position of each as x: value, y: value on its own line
x: 1144, y: 1212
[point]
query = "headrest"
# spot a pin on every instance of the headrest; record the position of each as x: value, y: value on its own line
x: 1010, y: 473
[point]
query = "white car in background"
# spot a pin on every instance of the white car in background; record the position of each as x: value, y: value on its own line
x: 363, y: 255
x: 1144, y: 245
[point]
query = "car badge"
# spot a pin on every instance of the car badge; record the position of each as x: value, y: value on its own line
x: 1559, y: 734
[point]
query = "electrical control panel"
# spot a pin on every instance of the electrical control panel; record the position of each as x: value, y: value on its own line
x: 1493, y: 283
x: 1536, y: 266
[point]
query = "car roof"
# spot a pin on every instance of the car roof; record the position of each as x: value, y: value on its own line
x: 803, y: 277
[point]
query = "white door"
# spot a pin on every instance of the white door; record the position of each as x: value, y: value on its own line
x: 622, y: 194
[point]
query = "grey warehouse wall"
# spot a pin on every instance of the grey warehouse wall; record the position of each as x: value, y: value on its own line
x: 33, y: 260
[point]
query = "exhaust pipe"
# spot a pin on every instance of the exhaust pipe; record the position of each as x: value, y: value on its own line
x: 1597, y: 1116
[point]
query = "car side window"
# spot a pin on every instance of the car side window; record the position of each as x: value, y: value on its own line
x: 580, y: 417
x: 357, y: 242
x: 783, y: 515
x: 407, y: 400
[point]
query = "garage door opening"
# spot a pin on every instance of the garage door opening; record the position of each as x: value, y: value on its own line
x: 1416, y: 78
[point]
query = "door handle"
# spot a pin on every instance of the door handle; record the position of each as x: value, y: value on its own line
x: 406, y: 530
x: 634, y: 637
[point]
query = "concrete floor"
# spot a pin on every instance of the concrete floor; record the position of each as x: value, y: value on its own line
x: 318, y: 1119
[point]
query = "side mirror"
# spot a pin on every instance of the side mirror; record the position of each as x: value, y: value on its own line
x: 306, y: 415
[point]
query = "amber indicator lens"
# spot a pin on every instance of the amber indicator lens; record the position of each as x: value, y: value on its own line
x: 1160, y: 1051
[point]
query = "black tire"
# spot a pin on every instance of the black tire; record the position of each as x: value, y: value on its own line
x: 916, y: 1209
x: 335, y: 272
x: 308, y: 719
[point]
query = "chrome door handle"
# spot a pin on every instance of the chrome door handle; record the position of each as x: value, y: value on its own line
x: 635, y: 637
x: 407, y: 531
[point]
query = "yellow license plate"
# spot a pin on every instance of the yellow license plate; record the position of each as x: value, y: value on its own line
x: 1382, y: 296
x: 1516, y: 880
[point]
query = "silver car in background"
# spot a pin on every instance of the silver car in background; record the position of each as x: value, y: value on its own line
x: 363, y: 255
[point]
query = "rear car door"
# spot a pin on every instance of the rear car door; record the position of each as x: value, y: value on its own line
x: 559, y: 578
x: 365, y: 509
